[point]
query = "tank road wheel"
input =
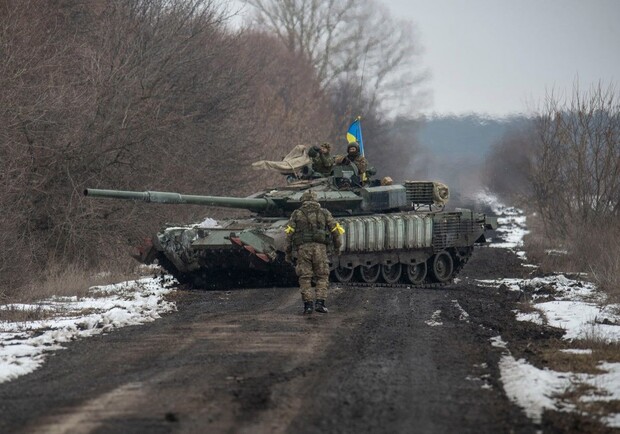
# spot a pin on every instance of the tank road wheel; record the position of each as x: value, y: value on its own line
x: 391, y: 273
x: 343, y: 275
x: 442, y: 266
x: 370, y: 274
x: 416, y: 273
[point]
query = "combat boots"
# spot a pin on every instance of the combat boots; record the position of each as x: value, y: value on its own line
x: 320, y: 306
x: 308, y: 307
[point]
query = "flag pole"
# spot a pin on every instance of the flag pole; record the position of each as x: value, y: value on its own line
x: 359, y: 119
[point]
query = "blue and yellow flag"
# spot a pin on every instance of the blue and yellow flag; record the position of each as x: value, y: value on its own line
x: 354, y: 134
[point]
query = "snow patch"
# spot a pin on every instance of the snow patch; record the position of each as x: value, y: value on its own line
x: 535, y: 317
x: 531, y: 388
x: 209, y: 223
x: 498, y: 342
x: 511, y: 221
x: 576, y: 351
x: 24, y: 345
x: 556, y: 252
x: 559, y: 286
x: 463, y: 316
x: 573, y: 305
x: 580, y: 320
x: 435, y: 319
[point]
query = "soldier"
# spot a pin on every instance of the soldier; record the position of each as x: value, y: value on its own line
x: 353, y: 157
x: 322, y: 161
x: 310, y: 229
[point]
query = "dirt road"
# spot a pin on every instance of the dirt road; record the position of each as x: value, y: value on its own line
x: 383, y: 360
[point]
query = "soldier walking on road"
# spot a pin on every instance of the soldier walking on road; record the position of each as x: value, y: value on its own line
x: 310, y: 229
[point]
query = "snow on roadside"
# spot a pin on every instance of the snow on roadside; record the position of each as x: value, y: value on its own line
x: 512, y: 228
x: 531, y: 388
x: 575, y: 306
x: 511, y: 222
x: 24, y: 345
x: 463, y: 316
x: 560, y: 286
x: 435, y: 319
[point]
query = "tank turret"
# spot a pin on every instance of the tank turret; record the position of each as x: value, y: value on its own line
x: 395, y: 234
x: 342, y: 193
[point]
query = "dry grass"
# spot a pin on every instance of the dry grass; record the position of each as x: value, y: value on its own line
x: 537, y: 245
x: 20, y: 314
x: 72, y: 280
x: 528, y: 306
x: 561, y: 422
x: 587, y: 416
x: 599, y: 248
x: 602, y: 350
x: 552, y: 357
x: 568, y: 362
x: 63, y: 281
x: 576, y: 391
x: 602, y: 408
x: 594, y: 250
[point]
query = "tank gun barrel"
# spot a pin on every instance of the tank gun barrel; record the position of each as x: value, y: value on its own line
x: 252, y: 204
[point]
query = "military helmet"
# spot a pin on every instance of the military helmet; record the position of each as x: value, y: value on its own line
x: 353, y: 145
x: 308, y: 195
x: 327, y: 146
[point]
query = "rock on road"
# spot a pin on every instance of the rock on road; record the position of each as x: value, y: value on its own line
x: 383, y: 360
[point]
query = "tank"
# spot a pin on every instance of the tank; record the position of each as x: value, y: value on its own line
x: 394, y: 234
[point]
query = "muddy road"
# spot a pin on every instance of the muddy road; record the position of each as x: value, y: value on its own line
x: 383, y: 360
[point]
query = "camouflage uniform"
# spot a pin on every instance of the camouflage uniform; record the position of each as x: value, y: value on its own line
x: 322, y: 162
x: 309, y: 230
x: 354, y: 158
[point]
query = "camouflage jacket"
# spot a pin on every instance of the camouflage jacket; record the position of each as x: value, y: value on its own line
x: 323, y: 164
x: 360, y: 162
x: 311, y: 224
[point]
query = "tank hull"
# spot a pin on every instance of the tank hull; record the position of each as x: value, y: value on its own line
x: 400, y: 247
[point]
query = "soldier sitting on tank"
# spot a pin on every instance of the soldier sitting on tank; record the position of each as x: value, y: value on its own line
x: 353, y: 157
x: 308, y: 232
x: 322, y: 161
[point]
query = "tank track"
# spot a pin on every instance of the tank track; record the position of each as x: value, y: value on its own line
x: 407, y: 285
x: 285, y: 277
x: 429, y: 285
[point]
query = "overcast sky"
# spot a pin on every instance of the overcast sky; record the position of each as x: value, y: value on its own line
x: 501, y: 56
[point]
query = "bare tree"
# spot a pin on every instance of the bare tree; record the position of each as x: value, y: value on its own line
x: 576, y: 171
x: 287, y: 97
x: 356, y: 41
x: 133, y: 94
x: 575, y: 178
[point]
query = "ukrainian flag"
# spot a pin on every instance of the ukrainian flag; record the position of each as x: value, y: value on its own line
x: 354, y: 134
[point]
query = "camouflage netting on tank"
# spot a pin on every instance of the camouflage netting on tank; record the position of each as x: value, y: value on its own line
x: 176, y: 242
x: 441, y: 193
x: 290, y: 164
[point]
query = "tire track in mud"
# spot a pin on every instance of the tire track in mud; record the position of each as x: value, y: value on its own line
x: 248, y: 361
x: 186, y: 363
x: 396, y: 373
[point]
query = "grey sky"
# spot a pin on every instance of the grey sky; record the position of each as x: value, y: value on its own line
x: 501, y: 56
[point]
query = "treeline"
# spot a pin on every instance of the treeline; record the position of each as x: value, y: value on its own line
x: 143, y: 95
x: 565, y: 166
